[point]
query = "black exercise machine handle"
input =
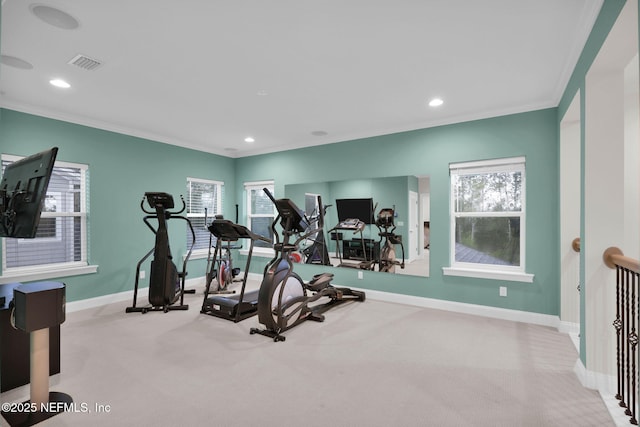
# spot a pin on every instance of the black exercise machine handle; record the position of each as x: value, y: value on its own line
x: 142, y: 206
x: 320, y: 213
x: 268, y: 193
x: 184, y: 206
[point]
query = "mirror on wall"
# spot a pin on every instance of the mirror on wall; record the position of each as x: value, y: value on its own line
x: 392, y: 215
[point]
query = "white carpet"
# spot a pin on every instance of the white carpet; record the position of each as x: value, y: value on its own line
x: 369, y: 364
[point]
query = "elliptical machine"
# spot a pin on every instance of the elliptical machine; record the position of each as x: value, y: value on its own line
x: 166, y: 284
x: 387, y: 262
x: 316, y: 252
x: 284, y: 298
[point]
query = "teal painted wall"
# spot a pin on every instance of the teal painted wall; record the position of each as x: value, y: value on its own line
x: 121, y: 168
x: 429, y: 152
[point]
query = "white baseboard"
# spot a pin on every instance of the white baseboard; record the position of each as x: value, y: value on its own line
x: 606, y: 385
x: 460, y: 307
x: 570, y: 328
x: 573, y: 330
x: 122, y: 296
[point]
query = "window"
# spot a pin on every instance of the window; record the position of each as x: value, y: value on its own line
x: 260, y: 210
x: 204, y: 198
x: 311, y: 208
x: 488, y: 217
x: 60, y: 245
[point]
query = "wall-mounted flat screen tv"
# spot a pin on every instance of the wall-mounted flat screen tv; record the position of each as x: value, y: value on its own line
x: 22, y: 193
x: 361, y: 209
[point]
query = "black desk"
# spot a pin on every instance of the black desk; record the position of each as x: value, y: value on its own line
x: 15, y: 346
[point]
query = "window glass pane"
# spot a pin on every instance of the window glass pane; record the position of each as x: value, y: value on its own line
x: 47, y: 227
x: 260, y: 203
x: 489, y: 192
x: 262, y: 226
x: 488, y: 240
x: 202, y: 195
x: 63, y: 193
x: 311, y: 205
x: 202, y: 233
x: 58, y: 241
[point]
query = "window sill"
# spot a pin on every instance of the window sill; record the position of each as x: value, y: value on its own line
x: 259, y: 252
x: 49, y: 273
x: 200, y: 254
x: 484, y: 274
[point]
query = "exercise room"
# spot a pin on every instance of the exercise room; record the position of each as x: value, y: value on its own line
x: 334, y: 214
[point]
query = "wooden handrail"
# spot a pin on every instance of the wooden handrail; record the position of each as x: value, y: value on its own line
x: 575, y: 245
x: 613, y: 257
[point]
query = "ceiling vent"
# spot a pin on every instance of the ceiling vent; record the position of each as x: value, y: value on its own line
x: 85, y: 62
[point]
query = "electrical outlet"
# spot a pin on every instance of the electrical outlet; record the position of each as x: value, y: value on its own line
x: 360, y: 275
x: 503, y: 291
x: 143, y: 274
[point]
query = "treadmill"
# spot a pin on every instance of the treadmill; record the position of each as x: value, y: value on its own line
x: 234, y: 307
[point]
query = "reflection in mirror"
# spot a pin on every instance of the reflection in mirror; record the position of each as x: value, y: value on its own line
x: 398, y: 222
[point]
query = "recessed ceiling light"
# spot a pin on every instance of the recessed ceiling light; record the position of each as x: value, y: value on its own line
x: 60, y: 83
x: 436, y: 102
x: 319, y: 133
x: 262, y: 93
x: 249, y: 139
x: 14, y: 62
x: 55, y: 17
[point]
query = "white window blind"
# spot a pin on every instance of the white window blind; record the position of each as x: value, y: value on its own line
x: 260, y: 210
x: 203, y: 197
x: 61, y: 238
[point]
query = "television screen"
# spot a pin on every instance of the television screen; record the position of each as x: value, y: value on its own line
x: 361, y: 209
x: 22, y: 192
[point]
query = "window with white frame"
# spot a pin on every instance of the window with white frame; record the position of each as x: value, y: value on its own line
x: 61, y: 238
x: 311, y: 208
x: 204, y: 202
x: 488, y: 215
x: 260, y: 210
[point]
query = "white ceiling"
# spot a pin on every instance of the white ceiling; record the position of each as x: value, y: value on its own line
x: 194, y: 73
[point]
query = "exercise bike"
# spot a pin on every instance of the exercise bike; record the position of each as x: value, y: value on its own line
x: 220, y: 262
x: 388, y: 262
x: 166, y: 284
x: 284, y: 299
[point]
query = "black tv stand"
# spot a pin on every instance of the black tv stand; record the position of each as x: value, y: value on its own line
x: 361, y: 249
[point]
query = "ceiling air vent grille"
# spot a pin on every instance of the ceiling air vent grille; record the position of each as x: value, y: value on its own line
x: 85, y: 62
